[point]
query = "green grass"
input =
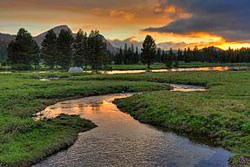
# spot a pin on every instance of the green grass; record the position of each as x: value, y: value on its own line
x: 24, y: 141
x: 221, y: 115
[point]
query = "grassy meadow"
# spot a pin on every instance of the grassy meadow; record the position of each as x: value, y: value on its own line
x: 22, y: 140
x: 221, y: 115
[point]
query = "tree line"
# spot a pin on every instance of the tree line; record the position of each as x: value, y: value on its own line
x: 171, y: 58
x: 83, y: 50
x: 63, y: 51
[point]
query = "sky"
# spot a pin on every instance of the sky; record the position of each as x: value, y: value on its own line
x: 172, y: 23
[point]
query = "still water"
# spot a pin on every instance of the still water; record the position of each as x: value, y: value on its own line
x: 120, y: 140
x: 219, y: 68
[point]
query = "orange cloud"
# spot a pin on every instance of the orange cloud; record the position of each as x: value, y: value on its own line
x: 123, y: 14
x: 115, y: 19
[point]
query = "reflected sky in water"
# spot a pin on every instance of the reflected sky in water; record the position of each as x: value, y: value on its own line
x: 175, y: 70
x: 119, y: 140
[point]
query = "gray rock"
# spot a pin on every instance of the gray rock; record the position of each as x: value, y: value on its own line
x: 75, y: 70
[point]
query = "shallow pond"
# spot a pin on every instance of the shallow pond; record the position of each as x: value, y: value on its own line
x: 120, y: 140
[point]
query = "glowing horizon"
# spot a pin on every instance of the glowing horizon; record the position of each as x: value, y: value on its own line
x: 167, y: 21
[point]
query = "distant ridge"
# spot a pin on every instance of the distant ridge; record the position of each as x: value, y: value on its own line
x: 213, y: 48
x: 39, y: 38
x: 7, y: 38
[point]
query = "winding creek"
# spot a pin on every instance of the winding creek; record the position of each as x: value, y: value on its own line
x: 120, y: 140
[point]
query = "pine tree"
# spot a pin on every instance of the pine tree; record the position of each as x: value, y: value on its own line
x: 196, y: 54
x: 64, y: 47
x: 158, y: 55
x: 148, y: 51
x: 80, y: 45
x: 119, y: 57
x: 185, y: 57
x: 133, y: 58
x: 125, y: 53
x: 130, y: 56
x: 177, y: 58
x: 97, y: 50
x: 23, y: 51
x: 188, y: 55
x: 49, y: 49
x: 169, y: 58
x: 137, y: 55
x: 163, y: 56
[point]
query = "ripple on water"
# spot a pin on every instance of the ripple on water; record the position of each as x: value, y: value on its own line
x: 119, y: 140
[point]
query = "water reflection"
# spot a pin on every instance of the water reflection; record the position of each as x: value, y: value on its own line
x: 219, y: 68
x: 119, y: 140
x: 187, y: 88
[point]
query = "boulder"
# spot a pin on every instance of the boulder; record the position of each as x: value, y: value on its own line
x: 75, y: 70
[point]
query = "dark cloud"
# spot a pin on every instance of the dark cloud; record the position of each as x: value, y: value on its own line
x: 227, y: 18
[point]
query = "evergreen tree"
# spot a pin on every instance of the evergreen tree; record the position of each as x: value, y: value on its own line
x: 137, y: 56
x: 158, y: 55
x: 49, y: 49
x: 163, y: 56
x: 148, y: 51
x: 196, y: 54
x: 184, y: 57
x: 97, y: 50
x: 130, y: 56
x: 188, y: 55
x: 23, y: 51
x: 3, y: 52
x: 133, y: 58
x: 178, y: 57
x: 169, y: 58
x: 119, y: 57
x: 125, y: 53
x: 80, y: 45
x: 64, y: 47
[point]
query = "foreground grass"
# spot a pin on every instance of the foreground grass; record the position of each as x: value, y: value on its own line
x: 221, y: 115
x: 24, y: 141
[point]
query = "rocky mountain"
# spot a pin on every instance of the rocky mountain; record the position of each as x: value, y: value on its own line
x: 7, y: 38
x: 129, y: 41
x: 57, y: 30
x: 217, y: 49
x: 39, y: 38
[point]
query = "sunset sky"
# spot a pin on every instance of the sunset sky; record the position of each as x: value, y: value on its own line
x: 175, y: 23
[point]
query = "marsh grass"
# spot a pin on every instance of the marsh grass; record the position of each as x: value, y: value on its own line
x: 24, y: 141
x: 221, y: 114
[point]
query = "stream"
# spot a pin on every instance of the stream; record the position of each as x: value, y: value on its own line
x: 120, y: 140
x: 218, y: 68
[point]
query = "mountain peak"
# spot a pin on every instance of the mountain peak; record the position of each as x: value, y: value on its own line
x: 57, y: 29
